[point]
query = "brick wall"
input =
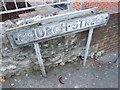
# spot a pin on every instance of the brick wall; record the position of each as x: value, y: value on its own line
x: 107, y: 36
x: 101, y: 4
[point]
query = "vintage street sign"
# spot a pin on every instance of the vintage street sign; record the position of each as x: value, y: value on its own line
x: 56, y: 26
x: 36, y: 33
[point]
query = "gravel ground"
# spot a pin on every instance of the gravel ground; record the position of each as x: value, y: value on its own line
x: 96, y: 74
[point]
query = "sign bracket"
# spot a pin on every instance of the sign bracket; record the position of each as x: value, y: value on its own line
x: 88, y: 45
x: 39, y: 57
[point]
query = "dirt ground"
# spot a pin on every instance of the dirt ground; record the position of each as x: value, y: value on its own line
x: 96, y: 74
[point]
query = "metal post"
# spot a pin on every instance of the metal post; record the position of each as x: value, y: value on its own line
x: 4, y: 5
x: 88, y: 45
x: 38, y: 53
x: 15, y: 4
x: 69, y: 5
x: 26, y: 4
x: 82, y: 5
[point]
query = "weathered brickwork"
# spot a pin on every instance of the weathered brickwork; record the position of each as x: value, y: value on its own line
x: 107, y: 36
x: 101, y: 4
x: 109, y: 33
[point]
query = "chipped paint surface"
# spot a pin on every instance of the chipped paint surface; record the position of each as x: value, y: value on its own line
x: 54, y: 29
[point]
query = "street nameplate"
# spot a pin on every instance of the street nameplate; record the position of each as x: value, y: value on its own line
x: 35, y: 33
